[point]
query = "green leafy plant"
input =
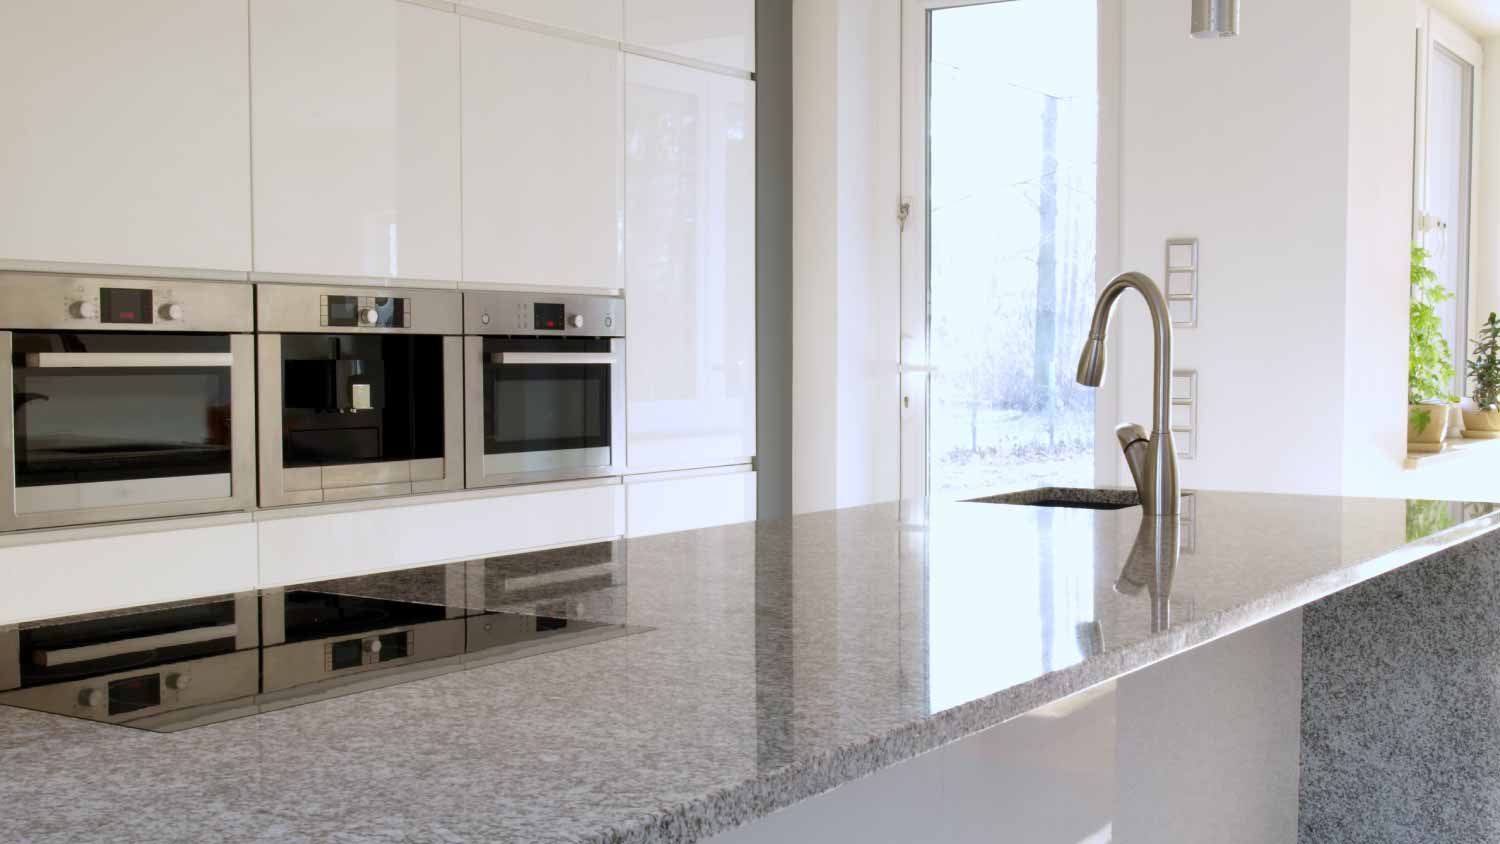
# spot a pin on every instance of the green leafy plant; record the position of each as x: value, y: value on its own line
x: 1430, y: 359
x: 1425, y: 518
x: 1484, y: 366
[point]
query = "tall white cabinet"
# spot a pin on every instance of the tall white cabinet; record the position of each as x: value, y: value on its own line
x: 126, y: 133
x: 356, y: 138
x: 719, y: 32
x: 543, y: 168
x: 599, y: 18
x: 690, y: 247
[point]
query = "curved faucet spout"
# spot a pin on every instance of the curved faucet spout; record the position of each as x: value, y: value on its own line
x: 1158, y: 489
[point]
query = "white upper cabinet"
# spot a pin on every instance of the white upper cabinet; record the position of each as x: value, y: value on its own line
x: 356, y: 138
x: 600, y: 18
x: 126, y: 133
x: 542, y: 164
x: 721, y: 32
x: 690, y: 247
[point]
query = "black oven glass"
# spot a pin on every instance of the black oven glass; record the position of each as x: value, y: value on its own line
x: 88, y: 424
x: 545, y: 407
x: 354, y: 398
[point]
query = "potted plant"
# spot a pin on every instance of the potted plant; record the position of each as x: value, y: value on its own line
x: 1483, y: 421
x: 1429, y: 361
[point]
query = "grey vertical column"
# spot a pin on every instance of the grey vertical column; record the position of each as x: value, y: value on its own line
x: 773, y: 256
x: 1401, y: 704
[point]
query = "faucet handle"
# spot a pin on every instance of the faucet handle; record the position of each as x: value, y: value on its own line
x: 1134, y: 441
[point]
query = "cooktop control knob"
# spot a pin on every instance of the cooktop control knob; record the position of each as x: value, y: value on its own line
x: 171, y: 312
x: 179, y: 681
x: 90, y: 698
x: 372, y: 645
x: 368, y: 316
x: 576, y: 320
x: 84, y: 310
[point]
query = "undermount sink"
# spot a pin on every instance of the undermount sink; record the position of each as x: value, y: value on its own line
x: 1072, y: 498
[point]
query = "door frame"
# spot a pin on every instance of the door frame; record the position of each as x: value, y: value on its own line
x: 915, y: 360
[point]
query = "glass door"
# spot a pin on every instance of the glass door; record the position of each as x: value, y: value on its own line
x: 547, y: 405
x: 1001, y: 170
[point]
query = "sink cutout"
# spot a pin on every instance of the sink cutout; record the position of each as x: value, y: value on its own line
x: 1069, y: 498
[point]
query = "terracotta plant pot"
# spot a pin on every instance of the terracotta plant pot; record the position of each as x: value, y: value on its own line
x: 1426, y: 424
x: 1482, y: 424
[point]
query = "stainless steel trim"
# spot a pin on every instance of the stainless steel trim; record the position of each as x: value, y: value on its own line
x: 10, y: 657
x: 453, y: 420
x: 62, y: 498
x: 537, y: 461
x: 84, y: 653
x: 102, y: 360
x: 473, y: 410
x: 46, y: 301
x: 272, y: 616
x: 247, y: 616
x: 302, y: 479
x: 552, y: 358
x: 352, y: 493
x: 366, y: 474
x: 499, y: 314
x: 431, y: 469
x: 241, y: 443
x: 274, y: 489
x: 295, y: 308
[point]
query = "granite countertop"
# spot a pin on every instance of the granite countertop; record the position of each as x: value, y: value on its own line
x: 784, y: 658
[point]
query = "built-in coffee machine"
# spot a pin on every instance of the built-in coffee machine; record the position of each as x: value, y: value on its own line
x: 360, y: 392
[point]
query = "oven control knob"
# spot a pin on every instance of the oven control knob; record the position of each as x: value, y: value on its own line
x: 90, y: 698
x: 368, y: 316
x: 372, y: 645
x: 576, y: 320
x: 179, y: 682
x: 84, y: 310
x: 171, y: 312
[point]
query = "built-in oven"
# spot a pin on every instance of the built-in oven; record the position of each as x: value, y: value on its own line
x: 361, y: 392
x: 162, y: 667
x: 131, y: 398
x: 544, y: 384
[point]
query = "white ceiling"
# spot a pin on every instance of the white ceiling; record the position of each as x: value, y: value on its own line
x: 1481, y: 17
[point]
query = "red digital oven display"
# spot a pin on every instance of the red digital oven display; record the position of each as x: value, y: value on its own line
x: 548, y: 317
x: 124, y: 306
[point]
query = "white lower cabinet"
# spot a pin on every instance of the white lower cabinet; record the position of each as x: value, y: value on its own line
x: 88, y: 574
x: 126, y: 133
x: 687, y: 501
x: 297, y: 549
x: 356, y: 138
x: 690, y: 266
x: 543, y: 170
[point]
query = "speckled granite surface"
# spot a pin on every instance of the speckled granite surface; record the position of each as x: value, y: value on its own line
x: 1399, y: 705
x: 787, y: 658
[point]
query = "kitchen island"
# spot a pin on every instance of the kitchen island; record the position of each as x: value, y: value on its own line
x: 782, y: 659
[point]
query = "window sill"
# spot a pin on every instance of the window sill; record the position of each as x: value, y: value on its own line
x: 1453, y: 450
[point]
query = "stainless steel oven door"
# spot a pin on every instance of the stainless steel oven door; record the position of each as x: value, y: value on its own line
x: 116, y: 426
x: 309, y: 480
x: 541, y: 409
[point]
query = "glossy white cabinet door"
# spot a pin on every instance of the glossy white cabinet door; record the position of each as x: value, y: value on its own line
x: 690, y: 258
x: 601, y: 18
x: 356, y: 138
x: 688, y: 503
x: 126, y: 133
x: 721, y: 32
x: 542, y: 164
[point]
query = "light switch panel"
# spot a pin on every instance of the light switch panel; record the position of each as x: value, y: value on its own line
x: 1182, y: 281
x: 1184, y: 419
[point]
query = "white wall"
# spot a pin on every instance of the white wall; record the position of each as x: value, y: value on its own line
x: 845, y: 252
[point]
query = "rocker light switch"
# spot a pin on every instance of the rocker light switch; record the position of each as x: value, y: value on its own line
x: 1182, y: 281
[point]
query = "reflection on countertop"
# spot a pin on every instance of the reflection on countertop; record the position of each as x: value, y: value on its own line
x: 784, y: 658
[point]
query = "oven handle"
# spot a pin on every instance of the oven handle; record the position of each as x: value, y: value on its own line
x: 48, y: 658
x: 117, y: 360
x: 553, y: 358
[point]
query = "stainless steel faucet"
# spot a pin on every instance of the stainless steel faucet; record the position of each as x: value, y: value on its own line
x: 1156, y: 474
